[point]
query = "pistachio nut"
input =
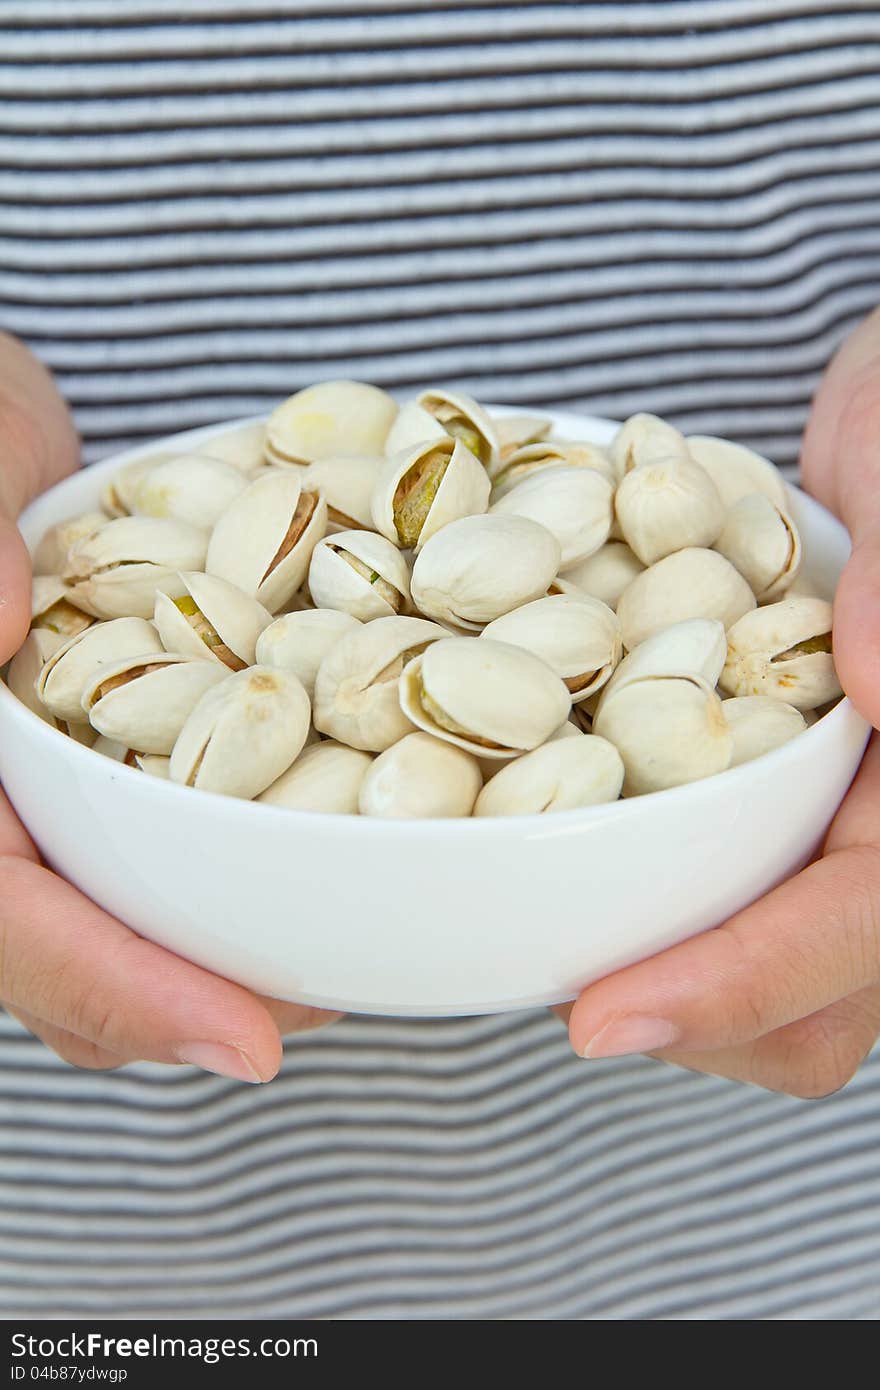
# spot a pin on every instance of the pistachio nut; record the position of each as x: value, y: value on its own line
x: 762, y: 542
x: 479, y: 567
x: 325, y: 777
x: 759, y: 723
x: 117, y: 572
x: 464, y: 419
x: 667, y: 729
x: 490, y: 698
x: 50, y: 556
x: 111, y: 748
x: 298, y: 642
x: 117, y: 496
x: 347, y: 484
x: 667, y: 505
x: 573, y: 504
x: 563, y: 775
x: 695, y: 647
x: 420, y: 777
x: 423, y: 489
x: 360, y: 573
x: 606, y: 574
x: 264, y: 540
x: 242, y: 446
x: 24, y: 669
x: 577, y: 636
x: 51, y: 609
x: 333, y: 417
x: 645, y: 439
x: 783, y: 650
x: 414, y: 425
x: 736, y: 470
x: 143, y: 701
x: 67, y: 671
x: 154, y: 764
x: 356, y: 688
x: 187, y: 487
x: 243, y: 734
x: 516, y: 431
x: 522, y: 463
x: 692, y: 583
x: 214, y: 620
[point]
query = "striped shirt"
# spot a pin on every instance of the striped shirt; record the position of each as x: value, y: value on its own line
x: 205, y: 204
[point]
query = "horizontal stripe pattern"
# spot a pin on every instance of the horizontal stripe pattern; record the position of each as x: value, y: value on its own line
x: 203, y: 206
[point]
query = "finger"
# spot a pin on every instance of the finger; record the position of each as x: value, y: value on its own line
x: 67, y: 962
x: 14, y: 839
x: 297, y: 1018
x: 15, y: 589
x: 840, y: 420
x: 857, y: 626
x: 77, y: 1051
x: 38, y: 442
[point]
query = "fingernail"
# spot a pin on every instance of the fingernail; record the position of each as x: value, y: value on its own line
x: 218, y: 1058
x: 633, y: 1034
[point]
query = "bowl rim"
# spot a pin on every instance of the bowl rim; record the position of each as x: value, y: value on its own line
x: 533, y: 826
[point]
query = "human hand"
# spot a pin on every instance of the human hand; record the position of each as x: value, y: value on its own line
x: 80, y: 980
x: 786, y: 994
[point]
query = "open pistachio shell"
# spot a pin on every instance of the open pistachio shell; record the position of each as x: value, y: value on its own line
x: 419, y: 776
x: 695, y: 647
x: 325, y: 777
x: 758, y: 724
x: 214, y: 621
x: 50, y: 556
x: 360, y: 573
x: 143, y: 701
x: 692, y: 583
x: 668, y: 731
x: 154, y: 765
x: 414, y: 425
x: 298, y: 642
x: 762, y: 542
x: 242, y: 446
x: 577, y: 636
x: 522, y: 463
x: 356, y: 688
x: 666, y: 505
x: 606, y: 574
x: 347, y: 483
x: 243, y: 734
x: 51, y: 607
x: 264, y: 540
x: 479, y: 567
x: 111, y: 748
x: 118, y: 571
x: 644, y: 439
x: 24, y: 669
x: 516, y: 431
x: 574, y: 504
x: 70, y: 667
x: 330, y: 418
x: 783, y: 650
x: 423, y: 489
x: 563, y: 775
x: 464, y: 419
x: 117, y: 496
x: 736, y: 470
x: 188, y: 487
x: 490, y: 698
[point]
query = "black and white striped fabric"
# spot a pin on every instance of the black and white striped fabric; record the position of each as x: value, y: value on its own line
x: 205, y: 204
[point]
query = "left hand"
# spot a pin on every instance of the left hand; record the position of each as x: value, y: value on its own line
x: 786, y: 994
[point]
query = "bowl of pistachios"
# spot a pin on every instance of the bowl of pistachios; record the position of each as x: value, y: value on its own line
x: 427, y: 708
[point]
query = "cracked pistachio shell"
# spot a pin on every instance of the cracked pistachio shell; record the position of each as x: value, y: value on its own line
x: 50, y: 556
x: 347, y: 484
x: 645, y: 439
x: 264, y: 540
x: 117, y: 496
x: 24, y: 669
x: 242, y: 446
x: 524, y: 462
x: 68, y: 670
x: 214, y: 620
x: 762, y: 542
x: 692, y: 583
x: 783, y: 650
x: 736, y: 471
x: 418, y: 777
x: 51, y: 607
x: 330, y: 418
x: 667, y: 505
x: 479, y: 567
x: 576, y: 505
x: 695, y: 647
x: 490, y: 698
x: 668, y: 730
x: 187, y: 487
x: 516, y: 431
x: 562, y: 775
x: 414, y: 425
x: 111, y: 748
x: 577, y: 636
x: 298, y: 642
x: 606, y: 574
x: 144, y: 701
x: 758, y: 724
x: 325, y: 777
x: 360, y: 573
x: 243, y: 734
x: 356, y: 688
x: 117, y: 572
x: 154, y: 765
x: 423, y: 489
x: 462, y: 417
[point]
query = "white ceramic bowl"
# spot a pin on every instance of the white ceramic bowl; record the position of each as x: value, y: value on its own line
x: 422, y: 917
